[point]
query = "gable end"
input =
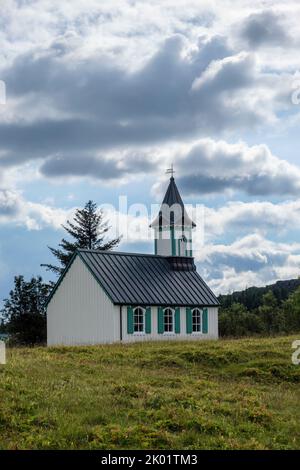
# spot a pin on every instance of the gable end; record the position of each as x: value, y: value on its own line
x: 62, y: 276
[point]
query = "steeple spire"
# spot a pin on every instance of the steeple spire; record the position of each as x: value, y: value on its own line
x: 173, y: 226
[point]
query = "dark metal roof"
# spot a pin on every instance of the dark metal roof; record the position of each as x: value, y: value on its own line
x: 172, y: 195
x: 141, y: 279
x: 173, y: 199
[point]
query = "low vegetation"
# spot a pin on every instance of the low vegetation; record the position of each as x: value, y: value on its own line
x: 233, y: 394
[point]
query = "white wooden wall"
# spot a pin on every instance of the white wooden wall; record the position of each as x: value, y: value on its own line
x: 155, y: 336
x: 164, y: 247
x: 80, y: 312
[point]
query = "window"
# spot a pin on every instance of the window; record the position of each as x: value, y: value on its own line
x: 168, y: 321
x: 196, y: 321
x: 139, y: 320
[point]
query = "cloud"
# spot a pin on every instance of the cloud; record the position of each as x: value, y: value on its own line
x: 211, y: 49
x: 9, y: 204
x: 78, y: 108
x: 81, y: 166
x: 210, y: 166
x: 257, y: 251
x: 246, y: 217
x: 108, y: 91
x: 15, y: 210
x: 117, y: 167
x: 251, y: 260
x: 204, y: 166
x: 232, y: 72
x: 250, y: 253
x: 265, y: 28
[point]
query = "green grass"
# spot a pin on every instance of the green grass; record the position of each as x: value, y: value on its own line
x: 234, y: 394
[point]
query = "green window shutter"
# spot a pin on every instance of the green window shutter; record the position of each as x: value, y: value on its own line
x: 189, y: 321
x: 205, y: 321
x: 129, y: 320
x: 177, y: 320
x: 160, y: 320
x: 148, y: 320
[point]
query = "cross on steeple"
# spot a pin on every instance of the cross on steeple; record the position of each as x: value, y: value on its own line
x: 170, y: 171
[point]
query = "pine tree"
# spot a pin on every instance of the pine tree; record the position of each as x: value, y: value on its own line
x: 88, y: 230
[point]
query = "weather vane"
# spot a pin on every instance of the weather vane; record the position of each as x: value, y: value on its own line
x: 170, y: 171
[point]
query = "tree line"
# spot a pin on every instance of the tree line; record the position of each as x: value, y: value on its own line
x: 272, y: 314
x: 24, y: 311
x: 252, y: 297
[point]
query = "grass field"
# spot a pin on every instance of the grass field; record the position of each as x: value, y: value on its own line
x: 234, y: 394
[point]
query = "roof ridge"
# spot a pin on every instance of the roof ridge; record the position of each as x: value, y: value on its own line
x: 122, y: 253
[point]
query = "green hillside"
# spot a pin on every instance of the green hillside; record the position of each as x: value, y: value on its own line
x: 238, y: 394
x: 252, y: 297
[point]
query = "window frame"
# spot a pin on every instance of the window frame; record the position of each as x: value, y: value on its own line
x: 200, y: 332
x: 172, y: 310
x: 143, y: 332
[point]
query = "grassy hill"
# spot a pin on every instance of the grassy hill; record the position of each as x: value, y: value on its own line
x: 235, y: 394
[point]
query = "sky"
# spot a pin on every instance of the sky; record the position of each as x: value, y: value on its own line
x: 101, y: 98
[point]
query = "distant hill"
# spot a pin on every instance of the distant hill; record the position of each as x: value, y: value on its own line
x: 252, y: 297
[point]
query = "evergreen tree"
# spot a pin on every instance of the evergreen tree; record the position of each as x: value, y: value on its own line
x: 24, y: 311
x: 2, y: 326
x: 88, y: 230
x: 271, y: 314
x: 292, y: 311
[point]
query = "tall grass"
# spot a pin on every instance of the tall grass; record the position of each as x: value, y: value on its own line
x: 234, y: 394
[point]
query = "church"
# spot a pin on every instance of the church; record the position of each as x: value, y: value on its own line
x: 108, y: 297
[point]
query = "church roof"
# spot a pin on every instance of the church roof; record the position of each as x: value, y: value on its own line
x: 173, y: 198
x: 142, y: 279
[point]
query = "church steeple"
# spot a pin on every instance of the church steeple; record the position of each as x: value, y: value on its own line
x: 173, y: 226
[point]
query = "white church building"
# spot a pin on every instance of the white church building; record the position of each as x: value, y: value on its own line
x: 109, y: 297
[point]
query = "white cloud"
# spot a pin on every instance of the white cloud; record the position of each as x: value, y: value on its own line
x: 207, y: 166
x: 251, y: 260
x: 264, y: 217
x: 15, y: 210
x: 187, y: 86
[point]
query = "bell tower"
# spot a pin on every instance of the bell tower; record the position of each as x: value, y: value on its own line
x: 172, y: 226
